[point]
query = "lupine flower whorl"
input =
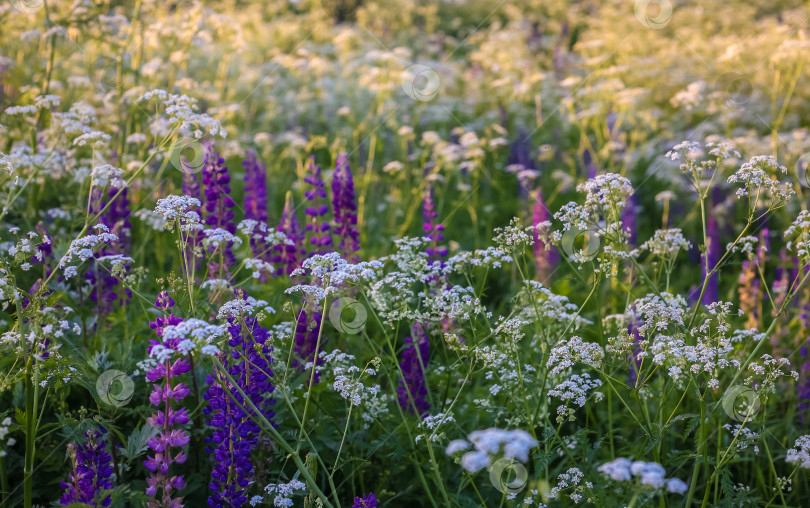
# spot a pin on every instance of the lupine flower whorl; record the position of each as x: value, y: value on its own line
x: 748, y: 289
x: 116, y: 219
x: 432, y: 230
x: 344, y: 204
x: 191, y: 188
x: 164, y: 419
x: 288, y: 256
x: 91, y: 474
x: 307, y: 328
x: 218, y: 210
x: 366, y: 501
x: 635, y: 352
x: 712, y: 256
x: 255, y: 188
x: 629, y: 218
x: 803, y: 387
x: 412, y: 364
x: 521, y: 162
x: 590, y: 166
x: 545, y: 256
x: 235, y: 434
x: 255, y: 200
x: 44, y: 255
x: 320, y: 236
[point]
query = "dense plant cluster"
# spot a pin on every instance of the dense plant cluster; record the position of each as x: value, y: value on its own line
x: 380, y: 253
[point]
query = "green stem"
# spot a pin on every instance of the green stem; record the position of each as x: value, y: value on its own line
x: 268, y: 427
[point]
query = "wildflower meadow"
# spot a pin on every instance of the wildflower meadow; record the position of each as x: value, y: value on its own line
x: 404, y: 253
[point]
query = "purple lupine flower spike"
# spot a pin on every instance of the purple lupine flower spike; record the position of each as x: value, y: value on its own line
x: 307, y: 328
x: 235, y: 433
x: 344, y: 204
x: 635, y: 352
x: 256, y: 201
x: 194, y: 253
x: 590, y: 166
x: 45, y: 248
x: 288, y: 256
x: 545, y: 256
x: 218, y: 210
x: 413, y: 361
x: 44, y: 255
x: 629, y: 219
x: 366, y: 501
x: 521, y: 162
x: 255, y: 188
x: 116, y: 217
x: 320, y: 236
x: 712, y: 255
x: 160, y: 486
x: 803, y: 387
x: 91, y: 476
x: 432, y: 230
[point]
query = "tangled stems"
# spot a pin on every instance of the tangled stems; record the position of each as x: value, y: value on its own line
x: 31, y: 404
x: 713, y: 475
x: 401, y: 376
x: 312, y: 373
x: 281, y: 387
x: 257, y: 416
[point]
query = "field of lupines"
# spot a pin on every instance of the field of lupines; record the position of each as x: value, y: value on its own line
x: 366, y: 253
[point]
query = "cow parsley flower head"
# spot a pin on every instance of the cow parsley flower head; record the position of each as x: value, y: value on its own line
x: 650, y: 474
x: 490, y: 443
x: 606, y: 193
x: 798, y: 236
x: 574, y: 350
x: 757, y: 181
x: 800, y: 453
x: 179, y: 210
x: 514, y: 238
x: 667, y: 243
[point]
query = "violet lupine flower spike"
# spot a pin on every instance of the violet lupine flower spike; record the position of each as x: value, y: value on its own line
x: 590, y: 166
x: 235, y: 433
x: 194, y: 252
x: 160, y: 486
x: 307, y: 328
x: 288, y: 256
x: 91, y: 476
x: 255, y: 201
x: 521, y: 162
x: 255, y: 188
x: 545, y: 256
x: 711, y: 258
x: 218, y: 210
x: 412, y: 390
x: 116, y: 218
x: 803, y: 386
x: 432, y: 230
x: 344, y: 205
x: 367, y: 501
x: 44, y: 255
x: 320, y: 238
x: 636, y: 352
x: 629, y: 218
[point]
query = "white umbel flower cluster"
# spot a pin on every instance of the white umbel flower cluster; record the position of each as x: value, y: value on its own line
x: 800, y: 453
x: 490, y: 443
x: 650, y: 474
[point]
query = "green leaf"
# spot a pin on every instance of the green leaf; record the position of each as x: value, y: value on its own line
x: 137, y: 442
